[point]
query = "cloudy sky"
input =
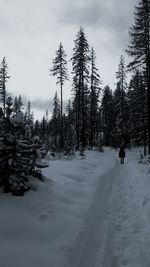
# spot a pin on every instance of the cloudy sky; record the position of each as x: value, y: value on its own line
x: 31, y: 30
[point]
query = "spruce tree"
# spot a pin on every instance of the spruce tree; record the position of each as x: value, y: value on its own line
x: 122, y: 87
x: 80, y: 63
x: 37, y: 128
x: 107, y: 115
x: 43, y: 129
x: 137, y: 122
x: 139, y: 47
x: 94, y: 98
x: 3, y: 80
x: 69, y: 128
x: 17, y: 106
x: 55, y: 125
x: 29, y: 114
x: 59, y: 69
x: 20, y: 103
x: 20, y: 153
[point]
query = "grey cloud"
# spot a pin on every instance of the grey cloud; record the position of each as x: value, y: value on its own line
x: 36, y: 103
x: 24, y: 17
x: 42, y: 104
x: 74, y: 14
x: 93, y: 12
x: 111, y: 15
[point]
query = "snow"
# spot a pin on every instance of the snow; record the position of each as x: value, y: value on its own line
x: 89, y: 212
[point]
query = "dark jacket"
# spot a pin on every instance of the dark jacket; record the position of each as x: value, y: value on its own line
x: 121, y: 153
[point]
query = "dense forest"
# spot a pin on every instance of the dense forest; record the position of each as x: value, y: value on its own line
x: 95, y: 116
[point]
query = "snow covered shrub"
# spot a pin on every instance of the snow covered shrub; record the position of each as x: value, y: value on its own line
x: 20, y: 152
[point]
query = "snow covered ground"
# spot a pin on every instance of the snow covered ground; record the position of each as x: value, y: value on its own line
x: 90, y: 212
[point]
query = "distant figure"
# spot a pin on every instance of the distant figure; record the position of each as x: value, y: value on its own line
x: 140, y: 155
x: 122, y: 155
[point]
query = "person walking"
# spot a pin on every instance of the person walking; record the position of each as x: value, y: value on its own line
x: 122, y: 155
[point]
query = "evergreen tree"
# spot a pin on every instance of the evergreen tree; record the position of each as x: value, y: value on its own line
x: 43, y: 127
x: 118, y: 137
x: 80, y: 63
x: 94, y: 98
x: 37, y: 128
x: 17, y: 106
x: 19, y: 153
x: 69, y: 128
x: 3, y: 79
x: 137, y: 122
x: 107, y: 113
x: 60, y: 70
x: 46, y: 114
x: 20, y: 103
x: 139, y: 48
x: 121, y: 105
x: 55, y: 124
x: 29, y: 114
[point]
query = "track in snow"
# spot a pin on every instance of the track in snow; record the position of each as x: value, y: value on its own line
x: 118, y: 236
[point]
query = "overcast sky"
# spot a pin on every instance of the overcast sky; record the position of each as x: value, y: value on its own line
x: 31, y: 30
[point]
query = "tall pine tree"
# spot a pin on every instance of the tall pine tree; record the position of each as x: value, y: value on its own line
x: 122, y: 87
x: 3, y: 79
x: 55, y: 124
x: 59, y: 69
x: 137, y: 121
x: 94, y: 98
x: 107, y: 114
x: 139, y: 47
x: 80, y: 63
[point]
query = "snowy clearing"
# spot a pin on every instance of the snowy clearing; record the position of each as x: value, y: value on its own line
x: 90, y: 212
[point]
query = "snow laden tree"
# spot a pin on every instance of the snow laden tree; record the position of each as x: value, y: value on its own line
x: 59, y: 70
x: 139, y: 46
x: 54, y: 125
x: 94, y: 99
x: 3, y: 80
x: 37, y: 128
x: 107, y: 115
x: 121, y: 103
x: 20, y: 153
x: 44, y: 130
x: 137, y: 121
x: 69, y: 128
x: 29, y: 114
x: 15, y: 105
x: 18, y: 104
x: 46, y: 115
x: 80, y: 63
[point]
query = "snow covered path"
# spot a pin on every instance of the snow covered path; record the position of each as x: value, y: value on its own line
x: 90, y: 212
x: 97, y: 234
x: 120, y: 234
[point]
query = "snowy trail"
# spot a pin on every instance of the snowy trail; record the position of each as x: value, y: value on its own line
x: 94, y: 239
x: 120, y: 232
x: 89, y: 212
